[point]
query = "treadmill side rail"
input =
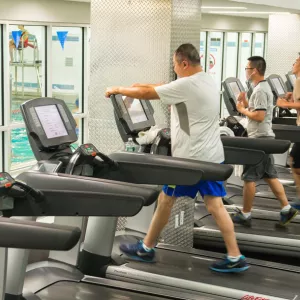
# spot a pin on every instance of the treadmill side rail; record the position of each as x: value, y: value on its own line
x: 124, y: 273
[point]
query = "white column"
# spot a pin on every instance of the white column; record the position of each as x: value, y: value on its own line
x: 283, y: 43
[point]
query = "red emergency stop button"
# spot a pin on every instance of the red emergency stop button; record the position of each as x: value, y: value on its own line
x: 94, y: 154
x: 8, y: 185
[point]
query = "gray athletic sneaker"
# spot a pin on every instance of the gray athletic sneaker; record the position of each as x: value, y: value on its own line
x: 286, y: 218
x: 239, y: 218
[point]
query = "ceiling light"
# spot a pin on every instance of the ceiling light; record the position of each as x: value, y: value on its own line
x: 249, y: 12
x: 223, y: 7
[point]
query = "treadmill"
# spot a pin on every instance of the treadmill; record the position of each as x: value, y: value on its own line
x: 161, y: 146
x: 283, y: 116
x: 232, y: 87
x: 31, y: 235
x: 290, y: 81
x: 237, y: 151
x: 177, y: 270
x: 23, y: 234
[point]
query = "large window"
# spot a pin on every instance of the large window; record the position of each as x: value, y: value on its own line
x: 214, y: 59
x: 258, y: 44
x: 27, y: 65
x: 246, y: 51
x: 39, y: 61
x: 230, y: 61
x: 202, y: 53
x: 226, y: 54
x: 1, y: 71
x: 67, y: 65
x: 231, y: 53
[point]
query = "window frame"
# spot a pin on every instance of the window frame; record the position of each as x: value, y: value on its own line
x: 7, y: 126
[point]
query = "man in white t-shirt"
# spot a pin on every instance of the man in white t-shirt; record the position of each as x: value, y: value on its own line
x: 195, y: 134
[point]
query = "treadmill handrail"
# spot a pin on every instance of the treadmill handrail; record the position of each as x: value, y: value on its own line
x: 159, y: 169
x: 240, y: 156
x: 291, y: 132
x: 69, y: 195
x: 269, y: 146
x: 32, y: 235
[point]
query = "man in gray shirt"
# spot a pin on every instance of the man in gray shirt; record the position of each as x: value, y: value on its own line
x: 259, y: 112
x: 195, y: 135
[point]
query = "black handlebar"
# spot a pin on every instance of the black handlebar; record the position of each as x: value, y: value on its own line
x: 37, y: 195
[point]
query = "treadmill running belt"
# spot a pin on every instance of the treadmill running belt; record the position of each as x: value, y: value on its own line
x: 256, y: 279
x: 261, y: 227
x: 259, y: 202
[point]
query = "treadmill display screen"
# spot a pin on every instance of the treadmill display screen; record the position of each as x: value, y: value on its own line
x: 135, y: 110
x: 235, y: 89
x: 278, y: 86
x: 292, y: 79
x: 51, y: 121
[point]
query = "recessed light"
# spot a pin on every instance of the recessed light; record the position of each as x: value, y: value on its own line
x: 223, y: 7
x: 249, y: 12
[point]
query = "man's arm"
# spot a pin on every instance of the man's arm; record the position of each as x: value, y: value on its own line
x: 285, y: 104
x: 146, y: 85
x: 257, y: 116
x: 242, y: 98
x: 141, y: 92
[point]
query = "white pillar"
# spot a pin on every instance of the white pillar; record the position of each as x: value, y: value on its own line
x: 283, y: 43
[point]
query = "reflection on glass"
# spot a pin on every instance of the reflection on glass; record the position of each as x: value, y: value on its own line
x: 20, y: 148
x: 230, y: 61
x: 26, y: 49
x: 67, y: 59
x: 259, y: 44
x: 135, y: 110
x: 245, y: 54
x: 79, y: 134
x: 231, y: 51
x: 203, y: 49
x: 214, y: 63
x: 1, y: 54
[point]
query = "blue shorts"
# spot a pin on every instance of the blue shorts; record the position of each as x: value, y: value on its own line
x: 204, y: 187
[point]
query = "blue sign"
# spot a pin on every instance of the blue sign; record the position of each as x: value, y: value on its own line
x: 62, y: 36
x: 16, y: 36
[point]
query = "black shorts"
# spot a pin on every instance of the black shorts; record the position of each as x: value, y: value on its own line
x: 295, y: 154
x: 265, y: 169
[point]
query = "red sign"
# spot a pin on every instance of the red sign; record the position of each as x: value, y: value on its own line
x: 249, y: 297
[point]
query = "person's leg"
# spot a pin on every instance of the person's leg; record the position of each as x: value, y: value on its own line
x: 160, y: 219
x: 248, y: 196
x: 143, y: 250
x: 216, y: 208
x: 296, y: 175
x: 287, y: 213
x: 244, y: 216
x: 11, y: 49
x: 295, y: 166
x: 212, y: 193
x: 278, y: 190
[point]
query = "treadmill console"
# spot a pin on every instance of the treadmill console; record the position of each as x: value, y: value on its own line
x: 132, y: 115
x: 290, y: 81
x: 49, y: 123
x: 88, y: 150
x: 232, y: 88
x: 277, y: 86
x: 6, y: 181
